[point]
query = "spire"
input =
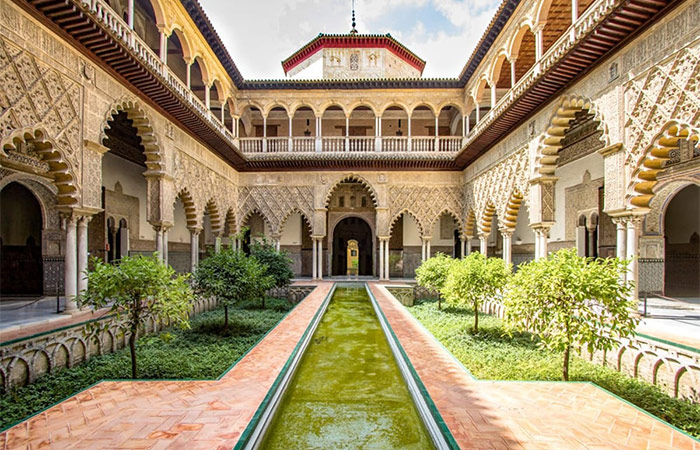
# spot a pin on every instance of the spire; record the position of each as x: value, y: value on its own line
x: 354, y: 30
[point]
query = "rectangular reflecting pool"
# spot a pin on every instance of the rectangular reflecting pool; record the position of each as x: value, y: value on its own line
x: 348, y: 391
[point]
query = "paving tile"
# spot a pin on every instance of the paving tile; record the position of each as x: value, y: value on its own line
x: 523, y: 414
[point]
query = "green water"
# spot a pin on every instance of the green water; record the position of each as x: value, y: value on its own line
x: 348, y: 392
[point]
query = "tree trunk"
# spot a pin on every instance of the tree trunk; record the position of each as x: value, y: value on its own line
x: 476, y: 319
x: 565, y: 374
x: 225, y: 316
x: 439, y: 301
x: 263, y: 302
x: 132, y: 349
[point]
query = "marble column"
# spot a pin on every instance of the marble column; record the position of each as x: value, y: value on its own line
x: 194, y: 249
x: 507, y: 235
x: 427, y: 248
x: 217, y: 244
x: 462, y: 247
x: 468, y: 245
x: 422, y: 250
x: 165, y: 246
x: 320, y: 259
x: 159, y: 241
x: 70, y: 270
x: 381, y: 259
x: 386, y: 259
x: 484, y: 244
x: 314, y: 258
x: 633, y: 225
x: 82, y: 252
x: 591, y: 241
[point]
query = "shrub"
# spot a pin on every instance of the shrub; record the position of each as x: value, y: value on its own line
x: 231, y: 277
x: 473, y: 280
x: 432, y: 273
x: 566, y: 299
x: 137, y: 289
x: 278, y: 263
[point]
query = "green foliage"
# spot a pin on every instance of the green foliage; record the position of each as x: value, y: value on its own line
x: 568, y: 300
x: 473, y: 280
x: 231, y: 277
x: 203, y: 351
x: 278, y: 263
x: 137, y: 289
x: 432, y: 273
x: 497, y: 353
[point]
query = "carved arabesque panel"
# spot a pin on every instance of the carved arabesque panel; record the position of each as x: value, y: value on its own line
x: 275, y: 203
x: 426, y: 203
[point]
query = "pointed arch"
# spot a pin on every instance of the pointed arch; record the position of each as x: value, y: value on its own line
x: 449, y: 212
x: 60, y: 168
x: 646, y: 170
x: 212, y: 208
x: 509, y: 217
x: 292, y: 211
x: 550, y: 143
x: 190, y: 208
x: 410, y: 213
x: 248, y: 214
x: 352, y: 177
x: 143, y: 124
x: 486, y: 218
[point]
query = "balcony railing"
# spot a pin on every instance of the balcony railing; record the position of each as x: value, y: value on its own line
x: 356, y: 144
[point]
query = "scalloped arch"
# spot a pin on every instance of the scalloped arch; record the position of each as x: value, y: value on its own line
x: 350, y: 177
x: 60, y: 168
x: 410, y: 213
x: 137, y: 114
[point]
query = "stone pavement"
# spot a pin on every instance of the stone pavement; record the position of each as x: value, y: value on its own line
x: 523, y: 415
x: 213, y: 414
x: 169, y: 414
x: 675, y: 320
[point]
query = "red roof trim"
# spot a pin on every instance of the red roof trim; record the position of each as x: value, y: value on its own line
x: 352, y: 41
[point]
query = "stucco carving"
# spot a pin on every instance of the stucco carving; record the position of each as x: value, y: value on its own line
x: 425, y: 204
x: 275, y: 203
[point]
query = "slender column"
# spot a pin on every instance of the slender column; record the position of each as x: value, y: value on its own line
x: 632, y: 250
x: 165, y: 246
x: 592, y: 251
x: 512, y: 74
x: 347, y: 133
x: 541, y: 236
x: 320, y: 259
x: 278, y: 244
x: 484, y: 244
x: 409, y: 147
x: 290, y: 145
x: 478, y: 117
x: 194, y: 248
x: 381, y: 259
x: 539, y: 43
x: 82, y: 253
x: 469, y: 125
x: 436, y: 145
x: 422, y: 250
x: 159, y: 241
x: 319, y: 142
x: 386, y: 259
x: 163, y: 47
x: 493, y: 96
x: 70, y: 270
x: 217, y: 244
x: 462, y: 247
x: 314, y: 258
x: 264, y: 141
x: 130, y: 14
x: 234, y: 125
x: 378, y: 134
x: 427, y: 249
x: 207, y: 96
x: 468, y: 245
x: 507, y: 245
x: 621, y: 243
x: 189, y: 74
x: 574, y: 11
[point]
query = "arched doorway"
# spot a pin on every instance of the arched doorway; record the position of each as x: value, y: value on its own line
x: 20, y: 241
x: 352, y: 228
x: 682, y: 244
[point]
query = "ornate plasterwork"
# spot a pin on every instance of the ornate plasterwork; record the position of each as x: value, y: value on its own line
x: 662, y: 105
x: 41, y: 106
x: 275, y: 203
x: 503, y: 186
x: 425, y: 204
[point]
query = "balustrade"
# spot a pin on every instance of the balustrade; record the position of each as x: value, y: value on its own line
x: 394, y: 144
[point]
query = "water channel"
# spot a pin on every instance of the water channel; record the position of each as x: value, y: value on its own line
x: 348, y: 392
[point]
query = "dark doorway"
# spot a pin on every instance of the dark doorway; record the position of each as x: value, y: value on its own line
x: 352, y: 228
x: 20, y: 240
x: 682, y: 235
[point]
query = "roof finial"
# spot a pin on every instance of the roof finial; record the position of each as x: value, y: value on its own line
x: 354, y: 30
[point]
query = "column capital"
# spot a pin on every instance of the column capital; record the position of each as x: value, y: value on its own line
x: 505, y: 231
x: 427, y: 238
x: 195, y: 230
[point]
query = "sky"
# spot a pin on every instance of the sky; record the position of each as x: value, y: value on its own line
x: 259, y: 34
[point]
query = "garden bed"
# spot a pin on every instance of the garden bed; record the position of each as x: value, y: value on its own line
x: 494, y: 355
x: 205, y: 351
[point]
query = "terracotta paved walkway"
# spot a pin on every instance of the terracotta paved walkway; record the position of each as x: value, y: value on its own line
x: 169, y: 414
x: 213, y: 414
x: 539, y: 415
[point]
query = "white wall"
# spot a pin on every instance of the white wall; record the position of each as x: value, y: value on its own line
x: 571, y: 175
x: 523, y: 232
x: 436, y: 241
x: 411, y: 233
x: 130, y: 175
x: 291, y: 233
x: 683, y: 215
x: 179, y: 231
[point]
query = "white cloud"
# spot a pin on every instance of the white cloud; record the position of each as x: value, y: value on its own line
x: 260, y: 34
